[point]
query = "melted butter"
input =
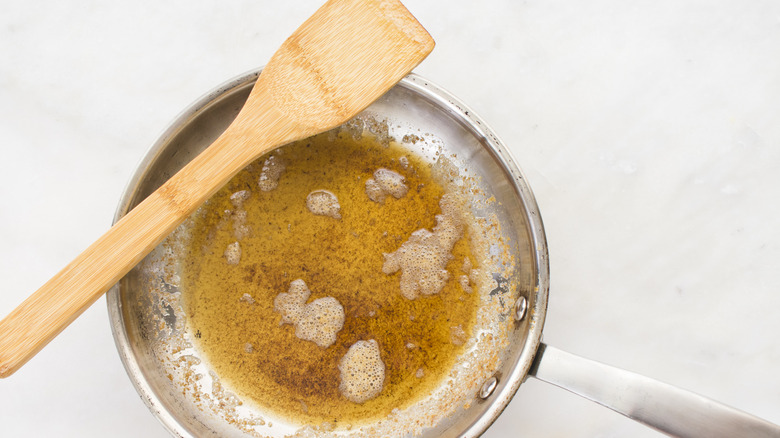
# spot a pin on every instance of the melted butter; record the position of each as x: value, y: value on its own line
x: 230, y: 308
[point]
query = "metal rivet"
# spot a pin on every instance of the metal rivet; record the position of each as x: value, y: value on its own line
x: 488, y: 387
x: 520, y: 308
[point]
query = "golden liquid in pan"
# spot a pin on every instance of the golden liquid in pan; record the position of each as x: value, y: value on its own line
x: 263, y: 361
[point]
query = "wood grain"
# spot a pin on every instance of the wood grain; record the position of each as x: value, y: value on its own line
x: 341, y: 59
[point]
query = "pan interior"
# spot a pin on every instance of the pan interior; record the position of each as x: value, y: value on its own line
x: 176, y: 382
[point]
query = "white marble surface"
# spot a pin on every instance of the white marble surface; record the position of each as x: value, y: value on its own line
x: 649, y: 130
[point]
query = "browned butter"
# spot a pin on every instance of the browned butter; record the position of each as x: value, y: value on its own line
x: 230, y: 307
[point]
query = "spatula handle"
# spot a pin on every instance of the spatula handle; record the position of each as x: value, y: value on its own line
x: 43, y: 315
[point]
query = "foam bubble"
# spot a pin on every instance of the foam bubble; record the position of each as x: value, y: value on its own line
x: 467, y: 265
x: 422, y: 259
x: 318, y: 321
x: 474, y: 275
x: 380, y: 130
x: 385, y: 182
x: 290, y: 304
x: 458, y: 335
x: 270, y: 173
x: 465, y: 284
x: 241, y: 229
x: 374, y: 192
x: 362, y: 372
x: 323, y: 203
x: 391, y: 182
x: 233, y: 253
x: 238, y: 198
x: 354, y: 128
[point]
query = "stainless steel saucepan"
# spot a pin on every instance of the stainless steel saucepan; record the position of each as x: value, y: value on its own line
x: 174, y: 381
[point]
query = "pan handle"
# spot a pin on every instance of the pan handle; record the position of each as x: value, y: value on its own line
x: 668, y: 409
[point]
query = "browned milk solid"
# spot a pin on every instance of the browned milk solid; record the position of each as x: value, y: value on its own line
x: 280, y: 241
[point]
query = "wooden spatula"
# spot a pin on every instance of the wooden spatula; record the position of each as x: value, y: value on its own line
x: 341, y: 59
